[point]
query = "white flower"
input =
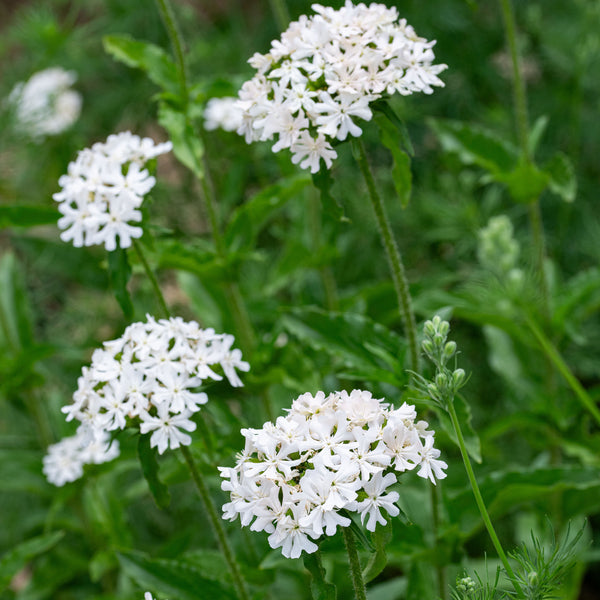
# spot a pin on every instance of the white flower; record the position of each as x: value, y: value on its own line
x: 328, y: 454
x: 320, y: 77
x: 46, y: 105
x: 65, y: 460
x: 104, y: 189
x: 148, y: 377
x: 224, y: 113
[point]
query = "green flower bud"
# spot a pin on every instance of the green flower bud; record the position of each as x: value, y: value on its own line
x: 458, y: 377
x: 427, y: 346
x: 433, y: 390
x: 438, y: 340
x: 429, y: 329
x: 449, y: 349
x: 532, y: 578
x: 444, y: 328
x: 441, y: 381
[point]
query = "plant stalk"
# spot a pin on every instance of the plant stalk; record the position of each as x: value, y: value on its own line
x: 358, y: 582
x: 393, y: 256
x: 557, y: 360
x: 215, y: 521
x: 440, y: 570
x: 479, y: 500
x: 152, y: 277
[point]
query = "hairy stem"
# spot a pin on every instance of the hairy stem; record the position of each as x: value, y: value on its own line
x: 217, y: 525
x: 440, y: 570
x: 479, y: 500
x: 393, y: 257
x: 358, y: 583
x: 152, y: 277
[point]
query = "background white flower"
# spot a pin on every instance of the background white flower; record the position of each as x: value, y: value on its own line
x: 45, y: 104
x: 103, y: 191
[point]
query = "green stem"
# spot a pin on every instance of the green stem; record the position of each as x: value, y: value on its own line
x: 168, y: 17
x: 358, y: 583
x: 479, y: 500
x: 519, y: 93
x: 282, y: 15
x: 435, y: 513
x: 539, y: 244
x: 156, y: 288
x: 234, y: 298
x: 217, y: 525
x: 557, y: 360
x: 325, y: 272
x: 393, y: 257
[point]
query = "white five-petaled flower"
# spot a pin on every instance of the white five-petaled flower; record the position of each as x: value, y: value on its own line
x: 329, y: 454
x: 103, y: 191
x: 320, y: 77
x: 148, y: 378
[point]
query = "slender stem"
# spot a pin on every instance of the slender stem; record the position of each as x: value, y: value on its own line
x: 520, y: 107
x: 282, y: 15
x: 519, y: 93
x: 435, y: 513
x: 157, y: 291
x: 479, y: 500
x: 217, y: 525
x: 557, y: 360
x: 393, y: 257
x: 202, y: 172
x: 327, y: 278
x: 168, y: 17
x: 360, y: 590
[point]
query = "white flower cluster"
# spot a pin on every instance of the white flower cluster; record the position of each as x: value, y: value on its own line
x: 222, y: 113
x: 46, y: 104
x: 104, y: 189
x: 147, y: 378
x: 329, y: 454
x: 65, y: 460
x: 325, y: 71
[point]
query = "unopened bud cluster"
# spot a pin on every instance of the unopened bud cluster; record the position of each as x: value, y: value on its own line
x: 439, y: 350
x: 498, y: 251
x: 465, y: 585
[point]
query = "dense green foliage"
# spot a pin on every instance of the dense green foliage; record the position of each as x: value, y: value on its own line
x: 304, y: 256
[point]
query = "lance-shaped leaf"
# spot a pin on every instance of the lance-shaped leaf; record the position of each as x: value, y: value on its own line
x: 381, y: 538
x: 119, y: 272
x: 151, y: 59
x: 401, y: 173
x: 27, y: 215
x: 180, y: 579
x: 320, y: 588
x: 149, y: 464
x: 16, y: 559
x: 187, y: 146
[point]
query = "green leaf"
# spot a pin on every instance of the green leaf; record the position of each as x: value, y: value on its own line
x: 16, y: 321
x: 383, y: 107
x: 323, y: 181
x: 119, y: 272
x: 578, y: 298
x: 536, y: 133
x: 401, y: 173
x: 562, y: 177
x: 319, y: 587
x: 351, y: 339
x: 149, y: 464
x: 506, y: 491
x: 27, y: 216
x: 525, y: 182
x: 476, y: 145
x: 248, y: 220
x: 187, y: 146
x: 381, y: 538
x: 14, y: 560
x: 145, y: 56
x: 180, y: 579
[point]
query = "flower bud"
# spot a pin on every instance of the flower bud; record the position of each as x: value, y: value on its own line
x: 449, y: 349
x: 427, y: 346
x: 429, y: 328
x: 433, y: 390
x: 532, y: 577
x: 444, y: 328
x: 458, y: 377
x: 441, y: 381
x: 439, y: 340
